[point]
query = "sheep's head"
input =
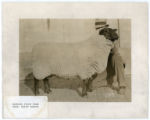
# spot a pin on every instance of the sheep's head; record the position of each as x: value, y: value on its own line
x: 109, y: 33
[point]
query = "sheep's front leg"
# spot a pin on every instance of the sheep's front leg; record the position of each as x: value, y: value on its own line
x: 89, y: 84
x: 46, y: 86
x: 36, y: 86
x: 84, y: 88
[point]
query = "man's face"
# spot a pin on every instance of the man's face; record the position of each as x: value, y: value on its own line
x: 107, y: 36
x: 109, y: 33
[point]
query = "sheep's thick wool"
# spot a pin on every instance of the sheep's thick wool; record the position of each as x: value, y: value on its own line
x: 81, y: 59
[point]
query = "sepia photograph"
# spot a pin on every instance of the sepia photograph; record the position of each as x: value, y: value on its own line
x: 86, y: 60
x: 75, y: 60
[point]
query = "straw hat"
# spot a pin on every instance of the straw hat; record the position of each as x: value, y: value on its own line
x: 100, y: 23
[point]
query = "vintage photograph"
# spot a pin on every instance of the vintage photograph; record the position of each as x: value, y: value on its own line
x: 75, y: 60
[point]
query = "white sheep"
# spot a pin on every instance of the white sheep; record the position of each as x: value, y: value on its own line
x: 84, y: 59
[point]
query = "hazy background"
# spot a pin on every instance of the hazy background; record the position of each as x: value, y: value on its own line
x: 33, y: 31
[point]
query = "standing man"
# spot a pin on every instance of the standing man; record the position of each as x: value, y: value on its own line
x: 115, y: 66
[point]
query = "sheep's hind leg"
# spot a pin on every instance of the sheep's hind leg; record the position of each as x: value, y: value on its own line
x: 84, y: 88
x: 36, y: 86
x: 46, y: 86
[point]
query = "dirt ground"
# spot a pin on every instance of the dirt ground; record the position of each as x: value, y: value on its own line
x: 69, y: 90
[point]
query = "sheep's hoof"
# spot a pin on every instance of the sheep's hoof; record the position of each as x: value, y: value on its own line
x: 109, y: 85
x: 84, y: 94
x: 89, y: 90
x: 37, y: 92
x: 47, y: 90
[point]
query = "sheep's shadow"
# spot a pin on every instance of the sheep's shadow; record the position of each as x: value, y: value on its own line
x: 64, y: 83
x: 55, y: 82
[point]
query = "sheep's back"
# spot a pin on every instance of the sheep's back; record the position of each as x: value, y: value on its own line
x: 69, y: 59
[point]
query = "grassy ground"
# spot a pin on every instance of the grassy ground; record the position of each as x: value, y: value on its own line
x: 69, y: 90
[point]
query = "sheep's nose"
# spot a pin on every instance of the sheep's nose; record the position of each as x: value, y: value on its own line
x: 116, y: 37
